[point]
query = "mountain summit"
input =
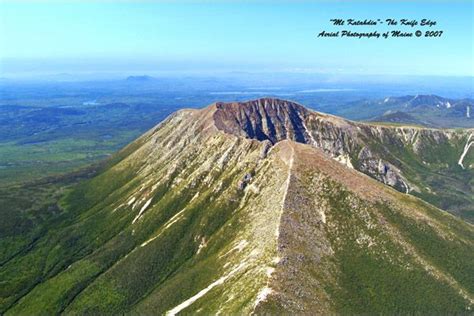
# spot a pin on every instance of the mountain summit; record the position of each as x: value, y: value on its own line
x: 263, y: 119
x: 420, y: 161
x: 259, y: 207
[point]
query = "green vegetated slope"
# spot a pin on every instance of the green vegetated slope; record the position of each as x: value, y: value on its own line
x: 27, y: 212
x: 429, y: 160
x: 189, y: 219
x: 353, y: 246
x: 423, y: 162
x: 101, y: 260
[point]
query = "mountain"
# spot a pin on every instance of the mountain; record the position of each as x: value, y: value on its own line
x: 428, y: 110
x: 139, y: 79
x: 424, y: 162
x: 260, y: 207
x: 398, y: 117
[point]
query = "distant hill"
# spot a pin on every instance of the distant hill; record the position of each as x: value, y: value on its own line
x: 398, y: 117
x: 140, y: 79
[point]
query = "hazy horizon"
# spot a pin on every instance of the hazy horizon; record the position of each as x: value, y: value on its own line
x: 203, y: 37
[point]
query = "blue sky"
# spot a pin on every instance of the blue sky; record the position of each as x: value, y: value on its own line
x: 140, y: 36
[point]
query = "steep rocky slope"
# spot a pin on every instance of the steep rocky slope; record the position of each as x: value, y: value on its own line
x: 244, y: 208
x: 430, y: 163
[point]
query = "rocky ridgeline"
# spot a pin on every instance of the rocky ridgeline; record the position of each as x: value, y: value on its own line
x: 365, y: 147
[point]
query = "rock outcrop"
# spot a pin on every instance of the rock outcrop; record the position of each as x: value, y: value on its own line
x: 385, y: 153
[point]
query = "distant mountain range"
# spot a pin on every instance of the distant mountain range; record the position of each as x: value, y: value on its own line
x: 261, y: 207
x: 425, y: 110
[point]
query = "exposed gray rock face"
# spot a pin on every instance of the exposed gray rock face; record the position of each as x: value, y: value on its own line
x: 263, y: 119
x: 367, y: 148
x: 274, y: 120
x: 264, y: 152
x: 245, y: 180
